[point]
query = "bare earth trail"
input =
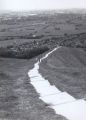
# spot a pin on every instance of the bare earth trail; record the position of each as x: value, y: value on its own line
x: 18, y: 98
x: 61, y: 101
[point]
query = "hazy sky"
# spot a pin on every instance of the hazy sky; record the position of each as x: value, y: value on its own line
x: 41, y: 4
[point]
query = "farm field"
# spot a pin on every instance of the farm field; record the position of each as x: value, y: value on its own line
x: 24, y: 39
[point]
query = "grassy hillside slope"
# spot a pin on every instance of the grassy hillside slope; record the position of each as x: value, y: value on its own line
x: 66, y: 68
x: 18, y: 98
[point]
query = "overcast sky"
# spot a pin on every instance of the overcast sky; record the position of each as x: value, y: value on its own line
x: 41, y: 4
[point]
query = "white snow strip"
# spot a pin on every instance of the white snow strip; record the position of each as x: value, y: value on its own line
x: 72, y: 111
x: 46, y: 91
x: 37, y: 79
x: 62, y: 102
x: 56, y: 99
x: 41, y: 84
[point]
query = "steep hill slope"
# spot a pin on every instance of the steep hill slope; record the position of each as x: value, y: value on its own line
x: 66, y: 68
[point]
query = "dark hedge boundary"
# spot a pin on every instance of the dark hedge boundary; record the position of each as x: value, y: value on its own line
x: 23, y: 53
x: 35, y: 48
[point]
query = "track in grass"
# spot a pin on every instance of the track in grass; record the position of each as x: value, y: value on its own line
x: 62, y: 102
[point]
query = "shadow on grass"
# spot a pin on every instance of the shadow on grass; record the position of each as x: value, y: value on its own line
x: 22, y: 53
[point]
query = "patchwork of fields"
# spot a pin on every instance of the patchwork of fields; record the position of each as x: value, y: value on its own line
x: 28, y: 36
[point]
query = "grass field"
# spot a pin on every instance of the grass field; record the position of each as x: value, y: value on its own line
x: 18, y: 98
x: 66, y: 68
x: 28, y: 36
x: 42, y: 29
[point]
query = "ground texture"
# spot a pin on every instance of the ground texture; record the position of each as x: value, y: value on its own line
x: 18, y: 99
x: 66, y: 69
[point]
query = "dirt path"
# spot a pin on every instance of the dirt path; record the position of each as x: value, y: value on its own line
x: 62, y: 102
x: 18, y: 98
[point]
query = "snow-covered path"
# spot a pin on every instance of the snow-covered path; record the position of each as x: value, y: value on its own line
x: 62, y: 102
